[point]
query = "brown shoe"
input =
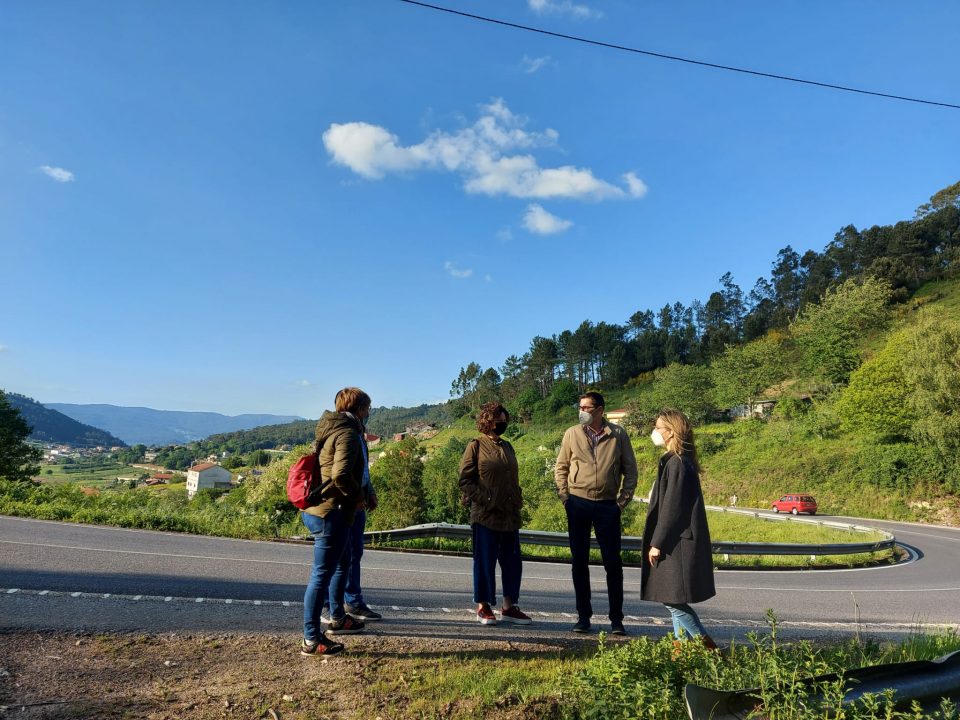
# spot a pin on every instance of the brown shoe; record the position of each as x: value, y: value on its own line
x: 708, y: 643
x: 515, y: 615
x: 485, y: 615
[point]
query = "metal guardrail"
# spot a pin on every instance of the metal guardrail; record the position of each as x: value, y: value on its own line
x: 541, y: 537
x: 888, y: 541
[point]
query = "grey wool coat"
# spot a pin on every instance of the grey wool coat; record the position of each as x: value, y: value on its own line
x: 677, y: 524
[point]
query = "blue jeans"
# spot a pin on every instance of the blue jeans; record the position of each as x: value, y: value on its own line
x: 352, y: 594
x: 329, y: 541
x: 489, y: 547
x: 686, y: 622
x: 604, y: 517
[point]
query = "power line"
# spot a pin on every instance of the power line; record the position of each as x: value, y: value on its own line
x: 676, y: 58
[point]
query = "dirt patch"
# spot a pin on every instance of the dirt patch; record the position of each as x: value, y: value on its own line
x: 54, y: 675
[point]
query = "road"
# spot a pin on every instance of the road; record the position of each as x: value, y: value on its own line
x: 62, y: 576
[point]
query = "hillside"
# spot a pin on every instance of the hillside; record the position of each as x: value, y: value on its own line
x: 138, y: 425
x: 52, y: 426
x: 384, y: 421
x: 863, y: 447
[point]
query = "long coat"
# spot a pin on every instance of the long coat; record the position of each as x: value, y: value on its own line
x: 677, y: 524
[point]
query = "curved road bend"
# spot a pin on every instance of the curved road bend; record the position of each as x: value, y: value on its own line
x: 81, y: 577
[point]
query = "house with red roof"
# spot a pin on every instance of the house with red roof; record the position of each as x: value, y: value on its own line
x: 207, y: 475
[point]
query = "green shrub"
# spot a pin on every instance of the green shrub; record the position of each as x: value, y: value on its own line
x: 645, y: 678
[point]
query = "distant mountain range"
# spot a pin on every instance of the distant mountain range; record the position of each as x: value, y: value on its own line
x: 48, y: 425
x: 136, y: 425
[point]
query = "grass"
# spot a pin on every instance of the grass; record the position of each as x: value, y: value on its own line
x: 470, y: 685
x: 645, y: 678
x: 94, y: 474
x: 723, y: 526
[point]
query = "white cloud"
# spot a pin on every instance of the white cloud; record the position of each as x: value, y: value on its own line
x: 57, y: 173
x: 484, y: 154
x: 3, y: 348
x: 635, y: 186
x: 304, y: 383
x: 540, y: 222
x: 505, y: 234
x: 456, y: 272
x: 531, y: 65
x: 563, y: 7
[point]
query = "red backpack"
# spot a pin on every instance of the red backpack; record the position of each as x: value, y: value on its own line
x: 303, y: 481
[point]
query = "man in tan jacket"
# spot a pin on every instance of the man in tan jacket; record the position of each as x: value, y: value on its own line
x: 596, y: 475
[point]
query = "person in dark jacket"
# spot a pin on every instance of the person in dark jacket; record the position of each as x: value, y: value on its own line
x: 490, y: 484
x: 341, y: 459
x: 676, y: 539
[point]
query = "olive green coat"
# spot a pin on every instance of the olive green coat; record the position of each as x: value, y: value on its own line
x: 490, y: 484
x: 339, y: 440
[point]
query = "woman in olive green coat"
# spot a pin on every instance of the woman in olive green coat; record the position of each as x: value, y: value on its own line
x: 490, y: 484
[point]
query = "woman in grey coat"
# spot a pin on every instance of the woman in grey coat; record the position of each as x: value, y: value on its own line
x: 676, y: 539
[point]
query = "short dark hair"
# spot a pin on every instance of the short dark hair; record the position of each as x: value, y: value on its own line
x: 487, y: 417
x: 352, y: 400
x: 595, y: 397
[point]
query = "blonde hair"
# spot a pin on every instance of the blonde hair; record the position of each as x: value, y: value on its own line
x: 681, y: 439
x: 352, y: 400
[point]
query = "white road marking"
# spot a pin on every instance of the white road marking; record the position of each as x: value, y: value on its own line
x: 645, y: 620
x: 157, y: 554
x: 780, y: 588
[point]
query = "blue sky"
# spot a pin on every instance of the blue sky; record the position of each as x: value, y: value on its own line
x: 241, y: 207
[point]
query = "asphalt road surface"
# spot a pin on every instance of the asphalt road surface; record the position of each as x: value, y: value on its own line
x: 63, y: 576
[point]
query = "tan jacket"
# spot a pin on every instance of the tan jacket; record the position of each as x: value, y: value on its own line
x: 611, y: 474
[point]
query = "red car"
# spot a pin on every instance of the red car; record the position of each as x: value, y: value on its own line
x: 796, y: 504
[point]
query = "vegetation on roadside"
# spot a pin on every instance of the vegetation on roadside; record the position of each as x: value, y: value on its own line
x: 645, y: 677
x: 410, y: 678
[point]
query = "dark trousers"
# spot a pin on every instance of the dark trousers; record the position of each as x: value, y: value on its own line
x: 490, y: 547
x: 603, y: 516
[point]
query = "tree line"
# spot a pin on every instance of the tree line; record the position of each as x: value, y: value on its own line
x: 900, y: 257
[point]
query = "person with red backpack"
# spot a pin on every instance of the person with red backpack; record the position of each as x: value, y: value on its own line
x: 341, y: 462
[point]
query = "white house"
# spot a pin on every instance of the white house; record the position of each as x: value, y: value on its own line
x: 616, y: 416
x: 207, y: 475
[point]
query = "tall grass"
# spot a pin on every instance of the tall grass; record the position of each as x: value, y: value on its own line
x: 645, y: 678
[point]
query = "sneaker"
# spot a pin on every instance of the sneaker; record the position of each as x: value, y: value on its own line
x: 582, y: 625
x: 323, y: 646
x: 485, y: 615
x: 325, y: 615
x: 362, y: 612
x: 515, y: 615
x: 617, y: 628
x: 345, y: 626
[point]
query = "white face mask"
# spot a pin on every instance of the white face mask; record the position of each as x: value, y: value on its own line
x: 657, y: 438
x: 585, y: 417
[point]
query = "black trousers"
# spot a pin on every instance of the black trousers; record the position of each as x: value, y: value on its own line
x: 603, y: 516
